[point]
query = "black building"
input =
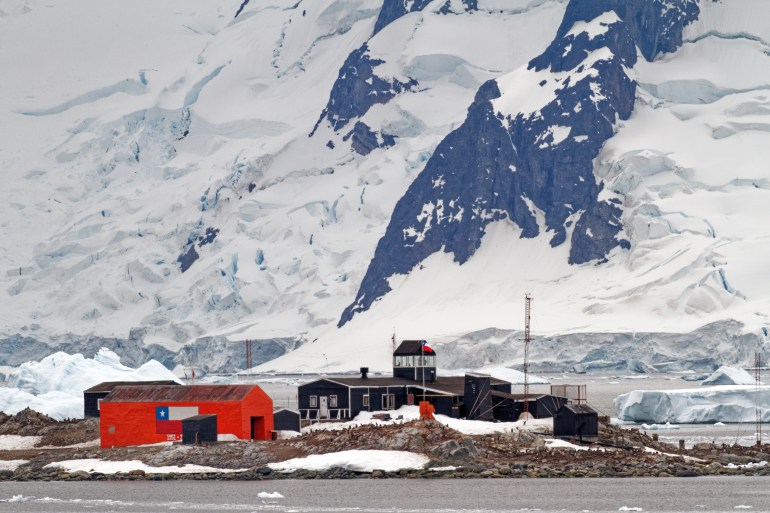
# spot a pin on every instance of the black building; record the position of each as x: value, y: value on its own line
x: 509, y: 407
x: 286, y: 420
x: 342, y: 398
x: 578, y: 421
x: 414, y: 360
x: 93, y: 396
x: 199, y: 429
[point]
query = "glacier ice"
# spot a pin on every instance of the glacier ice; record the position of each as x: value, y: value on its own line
x: 55, y: 384
x: 729, y: 404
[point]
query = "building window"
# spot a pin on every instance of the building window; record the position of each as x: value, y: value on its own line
x: 314, y: 401
x: 410, y: 361
x: 366, y: 400
x: 397, y: 361
x: 332, y: 401
x: 98, y: 404
x: 430, y: 361
x: 388, y: 402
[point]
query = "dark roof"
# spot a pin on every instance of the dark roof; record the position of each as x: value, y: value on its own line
x: 518, y: 397
x: 410, y: 347
x: 580, y: 409
x: 202, y: 416
x: 108, y: 386
x: 454, y: 385
x: 134, y: 394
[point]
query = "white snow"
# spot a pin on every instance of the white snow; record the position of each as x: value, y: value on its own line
x: 595, y: 27
x: 355, y: 460
x: 730, y: 404
x: 729, y: 376
x: 269, y: 495
x: 468, y: 427
x: 12, y: 464
x: 512, y: 376
x: 54, y: 386
x: 113, y: 467
x: 18, y: 442
x: 100, y: 197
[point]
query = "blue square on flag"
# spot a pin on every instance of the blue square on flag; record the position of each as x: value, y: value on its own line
x: 161, y: 413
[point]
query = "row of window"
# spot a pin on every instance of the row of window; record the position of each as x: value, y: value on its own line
x: 388, y: 401
x: 414, y: 361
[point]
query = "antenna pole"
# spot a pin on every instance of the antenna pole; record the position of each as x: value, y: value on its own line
x: 757, y: 374
x: 527, y: 340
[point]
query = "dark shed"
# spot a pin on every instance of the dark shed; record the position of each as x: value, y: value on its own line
x: 199, y: 429
x: 508, y: 407
x: 577, y: 421
x: 286, y: 420
x: 96, y: 393
x: 478, y: 397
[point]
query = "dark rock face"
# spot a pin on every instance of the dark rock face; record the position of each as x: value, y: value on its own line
x: 357, y: 89
x: 364, y: 139
x: 504, y: 165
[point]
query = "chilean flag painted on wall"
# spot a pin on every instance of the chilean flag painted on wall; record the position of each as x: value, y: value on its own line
x: 168, y: 419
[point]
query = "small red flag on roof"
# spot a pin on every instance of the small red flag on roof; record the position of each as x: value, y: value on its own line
x: 425, y: 347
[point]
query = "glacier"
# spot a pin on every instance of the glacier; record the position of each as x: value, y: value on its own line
x: 54, y: 386
x: 170, y: 201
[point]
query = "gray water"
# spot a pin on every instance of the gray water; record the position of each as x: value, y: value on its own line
x: 702, y: 494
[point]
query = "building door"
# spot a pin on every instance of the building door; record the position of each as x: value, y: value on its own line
x: 258, y: 428
x: 323, y: 411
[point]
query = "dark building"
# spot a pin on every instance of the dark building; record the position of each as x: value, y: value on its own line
x: 342, y: 398
x: 578, y: 421
x: 199, y: 429
x: 93, y: 396
x: 414, y: 360
x: 286, y: 420
x: 478, y: 397
x: 509, y: 407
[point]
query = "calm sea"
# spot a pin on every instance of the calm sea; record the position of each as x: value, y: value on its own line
x: 703, y: 494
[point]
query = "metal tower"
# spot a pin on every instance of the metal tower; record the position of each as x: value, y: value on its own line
x: 527, y: 340
x: 757, y: 373
x: 248, y: 354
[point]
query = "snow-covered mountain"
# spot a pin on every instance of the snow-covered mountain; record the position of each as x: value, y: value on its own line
x: 181, y: 176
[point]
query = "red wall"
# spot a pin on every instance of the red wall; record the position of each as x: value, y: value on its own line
x: 133, y: 423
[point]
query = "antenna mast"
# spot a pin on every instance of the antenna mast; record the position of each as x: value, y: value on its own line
x: 757, y: 374
x: 527, y: 340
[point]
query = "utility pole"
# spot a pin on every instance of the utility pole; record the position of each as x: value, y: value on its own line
x: 757, y: 374
x: 527, y: 340
x: 248, y: 353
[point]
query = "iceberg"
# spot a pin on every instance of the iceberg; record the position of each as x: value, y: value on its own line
x: 730, y: 404
x: 729, y: 376
x: 54, y: 386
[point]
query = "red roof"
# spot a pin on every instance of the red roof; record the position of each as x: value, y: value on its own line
x: 192, y: 393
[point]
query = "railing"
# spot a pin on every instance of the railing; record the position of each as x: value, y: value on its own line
x: 314, y: 414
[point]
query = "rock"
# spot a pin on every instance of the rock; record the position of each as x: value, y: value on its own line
x: 136, y: 472
x: 79, y: 475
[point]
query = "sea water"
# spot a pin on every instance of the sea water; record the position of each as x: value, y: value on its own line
x: 701, y: 494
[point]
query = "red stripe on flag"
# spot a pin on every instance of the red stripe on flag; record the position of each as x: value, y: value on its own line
x: 168, y: 427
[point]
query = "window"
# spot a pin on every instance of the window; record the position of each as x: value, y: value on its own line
x: 418, y: 361
x: 388, y: 402
x: 398, y: 361
x: 410, y: 361
x: 332, y: 401
x: 366, y: 400
x: 314, y: 401
x: 98, y: 404
x: 430, y: 361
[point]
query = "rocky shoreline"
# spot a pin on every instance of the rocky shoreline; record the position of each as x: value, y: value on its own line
x: 453, y: 455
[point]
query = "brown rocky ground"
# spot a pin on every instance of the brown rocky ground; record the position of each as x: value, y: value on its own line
x: 521, y: 454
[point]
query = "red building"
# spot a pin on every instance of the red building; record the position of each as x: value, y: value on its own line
x: 137, y: 415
